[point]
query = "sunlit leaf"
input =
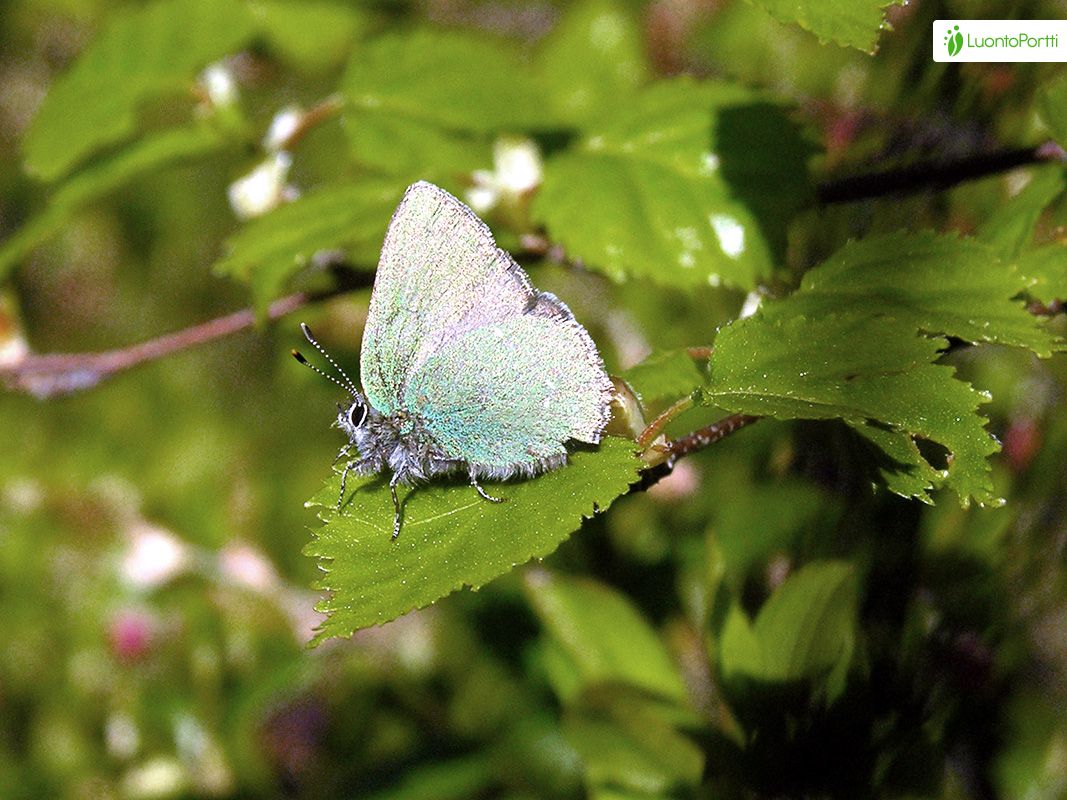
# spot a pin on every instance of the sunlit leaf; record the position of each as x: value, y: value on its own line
x: 853, y: 23
x: 451, y: 537
x: 857, y: 368
x: 311, y: 34
x: 604, y: 635
x: 937, y: 284
x: 351, y: 217
x: 592, y: 59
x: 689, y: 183
x: 666, y: 376
x: 1045, y: 269
x: 428, y: 103
x: 144, y: 52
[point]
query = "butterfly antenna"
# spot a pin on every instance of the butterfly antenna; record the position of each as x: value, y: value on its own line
x: 351, y: 386
x: 300, y: 357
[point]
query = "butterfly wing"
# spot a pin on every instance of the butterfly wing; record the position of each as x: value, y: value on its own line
x: 440, y: 275
x: 505, y: 396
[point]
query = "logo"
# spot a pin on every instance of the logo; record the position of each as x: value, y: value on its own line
x: 954, y: 41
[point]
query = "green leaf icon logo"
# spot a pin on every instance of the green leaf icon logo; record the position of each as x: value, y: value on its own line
x: 954, y: 41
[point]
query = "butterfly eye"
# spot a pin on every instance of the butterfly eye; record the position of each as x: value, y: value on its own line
x: 357, y: 415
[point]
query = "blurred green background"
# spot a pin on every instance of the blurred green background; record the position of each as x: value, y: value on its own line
x: 155, y: 603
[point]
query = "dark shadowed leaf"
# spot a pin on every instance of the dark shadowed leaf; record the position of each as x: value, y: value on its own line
x: 451, y: 537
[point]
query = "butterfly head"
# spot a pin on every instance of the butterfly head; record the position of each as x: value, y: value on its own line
x: 352, y: 417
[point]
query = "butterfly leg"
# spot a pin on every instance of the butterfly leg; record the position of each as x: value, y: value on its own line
x: 351, y: 465
x: 342, y: 452
x: 397, y: 519
x: 482, y: 492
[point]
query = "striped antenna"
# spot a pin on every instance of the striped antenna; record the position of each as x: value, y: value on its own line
x: 349, y: 386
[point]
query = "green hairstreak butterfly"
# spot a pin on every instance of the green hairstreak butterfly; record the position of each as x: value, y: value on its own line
x: 466, y: 367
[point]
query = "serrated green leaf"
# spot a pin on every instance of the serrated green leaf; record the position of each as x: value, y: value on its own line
x: 668, y: 375
x: 1045, y: 269
x: 739, y: 650
x: 104, y: 176
x: 689, y: 183
x: 311, y: 34
x: 856, y: 368
x: 603, y: 634
x: 143, y: 53
x: 809, y: 623
x: 852, y: 23
x: 1011, y: 227
x: 899, y: 464
x: 933, y: 283
x: 592, y: 60
x: 428, y: 103
x: 1053, y: 108
x: 451, y: 537
x: 270, y: 249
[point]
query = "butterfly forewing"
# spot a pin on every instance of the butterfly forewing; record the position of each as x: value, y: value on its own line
x: 440, y: 275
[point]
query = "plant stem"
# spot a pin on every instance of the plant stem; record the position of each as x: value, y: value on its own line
x: 939, y: 175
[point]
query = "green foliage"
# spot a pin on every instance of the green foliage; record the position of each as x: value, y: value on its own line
x: 1053, y: 108
x: 603, y: 637
x: 591, y: 60
x: 144, y: 53
x: 766, y: 620
x: 666, y: 376
x: 1046, y: 271
x: 426, y: 104
x: 348, y: 217
x: 689, y: 184
x: 852, y: 23
x: 105, y: 176
x: 451, y: 537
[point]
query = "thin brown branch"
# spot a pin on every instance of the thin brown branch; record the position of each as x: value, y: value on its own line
x: 54, y: 374
x: 692, y: 443
x: 936, y: 175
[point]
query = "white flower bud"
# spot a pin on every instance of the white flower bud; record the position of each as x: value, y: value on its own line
x: 263, y: 189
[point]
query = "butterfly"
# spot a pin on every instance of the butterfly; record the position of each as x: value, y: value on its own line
x: 465, y: 367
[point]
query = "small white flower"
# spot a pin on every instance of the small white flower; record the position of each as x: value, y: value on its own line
x: 753, y: 300
x: 282, y: 128
x: 153, y: 558
x: 264, y: 188
x: 219, y: 83
x: 517, y: 170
